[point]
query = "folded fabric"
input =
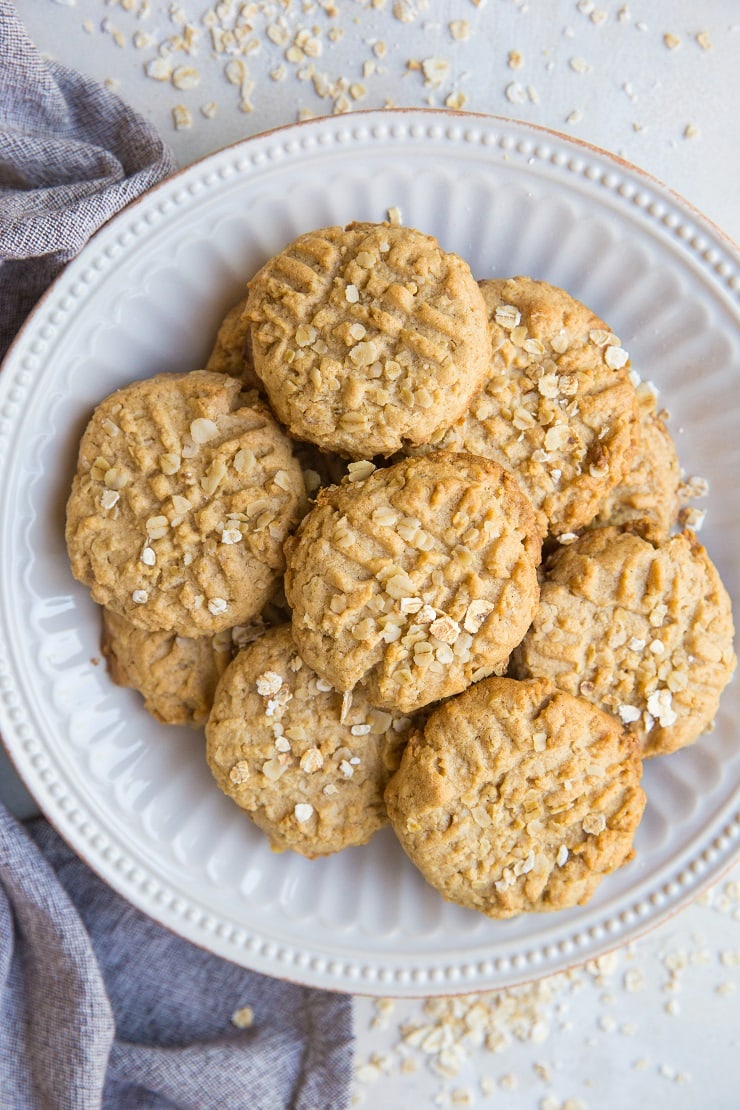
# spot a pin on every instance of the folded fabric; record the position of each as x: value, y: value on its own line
x: 100, y: 1006
x: 72, y: 154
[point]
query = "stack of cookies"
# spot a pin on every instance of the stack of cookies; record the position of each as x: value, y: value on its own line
x: 407, y: 547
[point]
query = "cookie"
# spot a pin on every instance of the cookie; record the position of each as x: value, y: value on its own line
x: 414, y: 580
x: 517, y: 798
x: 181, y: 502
x: 557, y: 407
x: 307, y: 764
x: 232, y: 350
x: 176, y: 675
x: 640, y: 628
x: 648, y: 493
x: 367, y: 337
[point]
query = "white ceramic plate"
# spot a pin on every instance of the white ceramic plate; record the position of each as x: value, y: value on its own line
x: 136, y: 799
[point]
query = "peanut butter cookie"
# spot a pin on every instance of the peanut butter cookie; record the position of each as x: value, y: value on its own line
x: 181, y: 502
x: 517, y: 797
x: 232, y: 350
x: 367, y: 337
x: 649, y: 490
x: 557, y: 408
x: 414, y: 580
x: 639, y: 628
x: 176, y: 675
x: 307, y: 764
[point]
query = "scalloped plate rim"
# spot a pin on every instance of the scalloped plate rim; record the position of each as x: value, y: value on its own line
x: 351, y: 977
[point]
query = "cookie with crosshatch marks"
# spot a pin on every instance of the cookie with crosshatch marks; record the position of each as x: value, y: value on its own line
x: 367, y: 337
x: 185, y: 490
x: 415, y: 580
x: 557, y: 406
x: 642, y: 629
x: 308, y: 764
x: 517, y: 797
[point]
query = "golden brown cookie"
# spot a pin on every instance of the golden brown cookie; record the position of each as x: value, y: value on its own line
x: 517, y: 797
x: 648, y: 493
x: 181, y: 502
x: 414, y: 580
x: 176, y: 675
x: 367, y: 337
x: 640, y: 628
x: 232, y: 350
x: 557, y: 408
x: 308, y: 764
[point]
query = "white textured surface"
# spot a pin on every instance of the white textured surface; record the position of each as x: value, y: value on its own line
x: 145, y: 296
x: 671, y: 109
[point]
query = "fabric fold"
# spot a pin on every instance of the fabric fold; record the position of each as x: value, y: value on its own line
x: 72, y: 154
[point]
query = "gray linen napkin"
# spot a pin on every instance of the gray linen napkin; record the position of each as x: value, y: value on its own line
x: 99, y: 1006
x: 71, y: 156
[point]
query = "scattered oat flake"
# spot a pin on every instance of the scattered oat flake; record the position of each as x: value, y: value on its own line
x: 691, y: 131
x: 182, y: 117
x: 312, y: 760
x: 268, y: 684
x: 704, y: 40
x: 405, y: 11
x: 507, y: 316
x: 243, y: 1018
x: 359, y: 471
x: 185, y: 77
x: 231, y: 536
x: 579, y: 65
x: 615, y: 357
x: 671, y: 41
x: 239, y: 773
x: 460, y: 30
x: 159, y: 69
x: 515, y: 93
x: 659, y: 706
x: 435, y: 70
x: 456, y: 100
